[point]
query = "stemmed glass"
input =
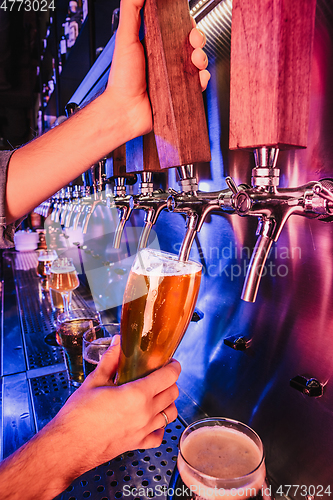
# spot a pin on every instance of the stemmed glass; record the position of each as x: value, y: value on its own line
x: 45, y: 259
x: 64, y: 279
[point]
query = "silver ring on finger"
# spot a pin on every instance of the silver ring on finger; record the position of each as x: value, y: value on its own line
x: 165, y: 418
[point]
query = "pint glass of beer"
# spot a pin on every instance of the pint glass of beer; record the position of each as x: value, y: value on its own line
x: 64, y: 279
x: 94, y: 344
x: 222, y: 459
x: 69, y: 333
x: 45, y: 259
x: 158, y: 304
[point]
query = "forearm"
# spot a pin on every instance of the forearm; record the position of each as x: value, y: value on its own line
x: 39, y: 169
x: 42, y: 468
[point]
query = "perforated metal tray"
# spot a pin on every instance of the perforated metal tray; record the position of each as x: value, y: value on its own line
x: 140, y: 474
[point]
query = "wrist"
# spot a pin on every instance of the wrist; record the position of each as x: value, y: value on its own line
x: 131, y: 116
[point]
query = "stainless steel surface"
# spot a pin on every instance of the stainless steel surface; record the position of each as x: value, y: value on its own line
x: 18, y: 423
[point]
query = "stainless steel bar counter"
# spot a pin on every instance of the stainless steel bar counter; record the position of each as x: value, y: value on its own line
x: 34, y: 386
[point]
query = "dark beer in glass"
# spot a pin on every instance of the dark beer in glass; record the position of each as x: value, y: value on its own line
x: 94, y: 344
x: 69, y: 335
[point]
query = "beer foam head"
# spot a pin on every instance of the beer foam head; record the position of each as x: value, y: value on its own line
x: 157, y: 263
x: 46, y: 258
x: 62, y: 268
x: 221, y: 452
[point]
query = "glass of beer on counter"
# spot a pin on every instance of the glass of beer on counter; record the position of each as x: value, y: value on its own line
x: 221, y: 458
x: 94, y: 344
x: 69, y: 333
x: 45, y: 259
x: 158, y: 304
x: 64, y: 279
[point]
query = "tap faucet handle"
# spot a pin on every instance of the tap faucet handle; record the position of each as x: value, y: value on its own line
x: 324, y: 189
x: 232, y: 185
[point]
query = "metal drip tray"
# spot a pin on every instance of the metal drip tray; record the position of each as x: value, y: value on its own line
x: 140, y: 474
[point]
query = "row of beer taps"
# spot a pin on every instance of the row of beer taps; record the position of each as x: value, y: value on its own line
x: 74, y: 205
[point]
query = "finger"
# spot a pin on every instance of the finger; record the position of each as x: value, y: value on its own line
x: 199, y: 58
x: 152, y: 440
x: 162, y: 378
x: 171, y: 414
x: 193, y: 22
x: 106, y: 368
x: 204, y: 77
x: 197, y: 38
x: 165, y: 399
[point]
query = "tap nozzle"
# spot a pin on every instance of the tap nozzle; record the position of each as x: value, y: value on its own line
x: 196, y: 207
x: 72, y: 205
x: 258, y: 260
x: 124, y: 214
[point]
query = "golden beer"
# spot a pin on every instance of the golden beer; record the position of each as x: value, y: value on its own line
x: 63, y: 278
x: 56, y: 300
x: 158, y: 304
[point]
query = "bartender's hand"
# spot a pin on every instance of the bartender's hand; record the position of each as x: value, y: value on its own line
x: 97, y: 423
x: 103, y: 420
x: 127, y: 78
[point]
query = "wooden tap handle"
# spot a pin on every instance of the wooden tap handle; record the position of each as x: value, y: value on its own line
x: 173, y: 82
x: 271, y: 51
x: 141, y: 154
x: 119, y: 161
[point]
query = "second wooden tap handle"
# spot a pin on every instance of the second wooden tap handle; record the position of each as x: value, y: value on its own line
x: 174, y: 88
x: 271, y: 50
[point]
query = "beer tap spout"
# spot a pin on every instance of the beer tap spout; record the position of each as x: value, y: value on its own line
x: 66, y: 205
x: 273, y: 207
x: 191, y: 231
x: 124, y: 204
x: 196, y: 206
x: 143, y: 241
x: 125, y: 211
x: 98, y: 182
x: 153, y: 204
x: 257, y: 263
x: 98, y: 200
x: 72, y: 205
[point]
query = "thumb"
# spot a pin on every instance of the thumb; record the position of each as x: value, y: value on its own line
x: 107, y: 367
